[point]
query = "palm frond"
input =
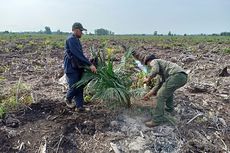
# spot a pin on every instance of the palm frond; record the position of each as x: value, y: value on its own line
x: 109, y: 85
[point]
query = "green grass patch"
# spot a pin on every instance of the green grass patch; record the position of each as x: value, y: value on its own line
x: 226, y: 50
x: 18, y: 95
x: 2, y: 111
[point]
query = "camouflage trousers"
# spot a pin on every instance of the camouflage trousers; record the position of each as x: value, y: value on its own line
x: 165, y: 96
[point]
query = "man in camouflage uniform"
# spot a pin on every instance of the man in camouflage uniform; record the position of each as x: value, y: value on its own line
x: 171, y: 78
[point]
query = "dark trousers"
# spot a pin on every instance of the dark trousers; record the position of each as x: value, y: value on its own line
x: 73, y: 92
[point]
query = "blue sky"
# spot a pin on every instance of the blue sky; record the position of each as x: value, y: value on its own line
x: 119, y: 16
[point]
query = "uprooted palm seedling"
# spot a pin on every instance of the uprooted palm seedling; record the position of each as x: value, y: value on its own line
x: 108, y: 84
x: 116, y: 83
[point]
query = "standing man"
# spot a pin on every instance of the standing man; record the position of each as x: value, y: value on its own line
x: 74, y: 64
x: 171, y: 78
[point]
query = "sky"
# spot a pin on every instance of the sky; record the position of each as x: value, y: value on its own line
x: 118, y: 16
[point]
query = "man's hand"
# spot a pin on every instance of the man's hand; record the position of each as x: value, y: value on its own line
x: 146, y: 97
x: 93, y: 68
x: 154, y: 93
x: 149, y: 94
x: 146, y: 80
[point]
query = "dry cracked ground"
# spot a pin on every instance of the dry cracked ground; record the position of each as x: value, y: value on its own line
x: 202, y: 115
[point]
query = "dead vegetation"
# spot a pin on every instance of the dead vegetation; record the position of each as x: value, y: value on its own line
x: 202, y: 107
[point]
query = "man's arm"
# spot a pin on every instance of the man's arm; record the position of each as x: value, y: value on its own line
x: 157, y: 85
x: 75, y: 49
x: 153, y: 91
x: 154, y: 71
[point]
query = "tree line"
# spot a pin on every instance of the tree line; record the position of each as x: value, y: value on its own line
x: 47, y: 30
x: 102, y: 31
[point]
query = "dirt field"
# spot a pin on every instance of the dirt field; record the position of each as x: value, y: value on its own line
x: 202, y: 106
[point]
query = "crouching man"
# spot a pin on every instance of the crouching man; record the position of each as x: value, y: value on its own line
x: 171, y: 78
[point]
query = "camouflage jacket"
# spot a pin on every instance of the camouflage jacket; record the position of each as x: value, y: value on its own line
x: 163, y: 70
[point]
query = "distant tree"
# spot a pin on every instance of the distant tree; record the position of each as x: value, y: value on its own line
x: 214, y: 34
x: 169, y: 34
x: 6, y: 32
x: 40, y: 32
x: 225, y: 33
x: 185, y: 34
x: 155, y: 33
x: 59, y: 32
x: 102, y: 31
x: 47, y: 30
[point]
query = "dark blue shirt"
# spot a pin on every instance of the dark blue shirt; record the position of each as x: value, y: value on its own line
x: 74, y: 48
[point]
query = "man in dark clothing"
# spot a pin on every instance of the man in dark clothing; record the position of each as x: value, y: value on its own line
x: 74, y: 64
x: 171, y: 78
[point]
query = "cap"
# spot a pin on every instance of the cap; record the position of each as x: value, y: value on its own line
x: 78, y: 25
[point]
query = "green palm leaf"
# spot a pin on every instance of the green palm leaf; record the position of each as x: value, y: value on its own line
x: 108, y: 85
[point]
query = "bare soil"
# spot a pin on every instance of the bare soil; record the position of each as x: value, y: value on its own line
x: 202, y: 107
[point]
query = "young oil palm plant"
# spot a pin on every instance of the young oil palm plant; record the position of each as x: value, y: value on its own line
x: 107, y: 84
